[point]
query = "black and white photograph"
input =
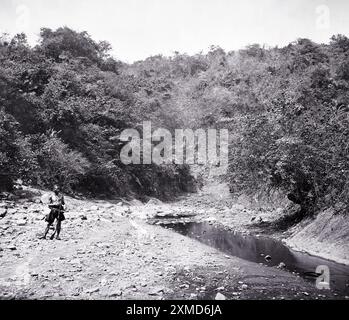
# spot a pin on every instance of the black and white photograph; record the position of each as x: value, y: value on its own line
x: 174, y: 150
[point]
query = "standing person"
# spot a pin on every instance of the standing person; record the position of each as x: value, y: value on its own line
x: 57, y: 213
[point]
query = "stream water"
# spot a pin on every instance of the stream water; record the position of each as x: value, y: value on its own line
x: 258, y: 248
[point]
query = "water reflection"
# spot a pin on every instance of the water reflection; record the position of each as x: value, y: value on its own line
x: 256, y: 249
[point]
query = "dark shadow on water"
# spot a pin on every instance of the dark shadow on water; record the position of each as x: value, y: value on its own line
x: 257, y: 249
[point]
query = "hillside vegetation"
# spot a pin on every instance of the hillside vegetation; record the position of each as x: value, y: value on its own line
x: 64, y: 103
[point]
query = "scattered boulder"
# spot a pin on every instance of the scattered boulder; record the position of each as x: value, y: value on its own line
x: 117, y: 293
x: 156, y: 291
x: 92, y: 290
x: 12, y: 211
x: 21, y: 222
x: 220, y: 289
x: 126, y: 212
x: 45, y: 198
x: 281, y: 265
x: 75, y: 261
x: 3, y: 213
x: 103, y: 245
x: 220, y: 296
x: 193, y: 296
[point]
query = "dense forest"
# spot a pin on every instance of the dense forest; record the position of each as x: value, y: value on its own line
x: 64, y: 103
x: 63, y: 106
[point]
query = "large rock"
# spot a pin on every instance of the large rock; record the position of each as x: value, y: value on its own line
x: 21, y: 222
x: 45, y: 198
x: 3, y: 212
x: 156, y: 291
x: 117, y: 293
x: 220, y: 296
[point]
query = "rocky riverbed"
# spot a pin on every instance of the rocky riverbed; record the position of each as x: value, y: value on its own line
x: 109, y: 250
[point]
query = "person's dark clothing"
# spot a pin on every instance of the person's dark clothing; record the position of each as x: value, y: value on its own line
x: 57, y: 209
